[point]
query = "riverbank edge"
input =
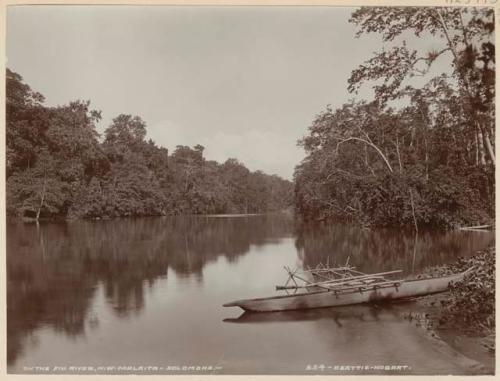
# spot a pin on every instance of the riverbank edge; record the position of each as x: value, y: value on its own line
x: 444, y: 323
x: 18, y: 218
x: 471, y: 350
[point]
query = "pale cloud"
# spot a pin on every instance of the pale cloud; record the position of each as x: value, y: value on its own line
x: 169, y: 134
x: 258, y: 149
x: 244, y: 82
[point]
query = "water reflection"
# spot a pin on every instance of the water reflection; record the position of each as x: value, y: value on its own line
x: 361, y: 313
x: 60, y: 276
x: 53, y: 269
x: 385, y: 249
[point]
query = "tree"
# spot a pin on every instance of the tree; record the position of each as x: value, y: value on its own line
x: 26, y: 122
x: 126, y: 133
x: 131, y: 186
x: 466, y: 35
x: 379, y: 166
x: 39, y: 189
x: 52, y: 151
x: 57, y: 167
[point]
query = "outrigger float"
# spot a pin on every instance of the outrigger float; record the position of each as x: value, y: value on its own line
x: 340, y: 286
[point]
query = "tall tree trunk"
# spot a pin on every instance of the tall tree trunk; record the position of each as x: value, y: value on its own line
x: 426, y: 150
x: 399, y: 155
x: 413, y: 212
x: 42, y: 197
x: 453, y: 49
x: 489, y: 147
x: 482, y: 134
x: 426, y: 165
x: 480, y: 143
x: 476, y: 149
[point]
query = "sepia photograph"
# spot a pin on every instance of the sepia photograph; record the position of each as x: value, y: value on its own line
x: 250, y: 189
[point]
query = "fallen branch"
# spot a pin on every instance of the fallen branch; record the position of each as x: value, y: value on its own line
x: 477, y: 227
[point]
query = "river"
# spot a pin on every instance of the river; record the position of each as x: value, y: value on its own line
x: 145, y: 296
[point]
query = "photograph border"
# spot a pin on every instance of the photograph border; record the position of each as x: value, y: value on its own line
x: 311, y: 3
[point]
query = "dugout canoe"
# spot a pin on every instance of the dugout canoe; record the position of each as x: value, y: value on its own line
x: 332, y: 298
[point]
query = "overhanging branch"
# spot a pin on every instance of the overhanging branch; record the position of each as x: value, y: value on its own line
x: 369, y: 143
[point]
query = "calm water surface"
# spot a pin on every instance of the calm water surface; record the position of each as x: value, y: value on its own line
x: 149, y: 292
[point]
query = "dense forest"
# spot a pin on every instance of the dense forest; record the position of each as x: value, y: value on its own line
x: 59, y: 166
x: 415, y: 155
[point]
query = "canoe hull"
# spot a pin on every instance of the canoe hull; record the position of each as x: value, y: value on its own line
x: 407, y: 289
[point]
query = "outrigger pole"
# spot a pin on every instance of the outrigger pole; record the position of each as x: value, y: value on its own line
x: 339, y: 278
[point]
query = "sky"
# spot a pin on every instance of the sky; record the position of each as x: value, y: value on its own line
x: 244, y: 82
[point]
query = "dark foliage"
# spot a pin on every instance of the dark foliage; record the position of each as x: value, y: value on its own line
x: 429, y: 163
x: 471, y: 302
x: 56, y: 166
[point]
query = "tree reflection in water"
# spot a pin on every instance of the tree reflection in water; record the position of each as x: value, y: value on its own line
x: 54, y: 269
x: 384, y: 249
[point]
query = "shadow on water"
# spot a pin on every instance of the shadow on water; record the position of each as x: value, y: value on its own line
x: 359, y: 312
x: 56, y: 271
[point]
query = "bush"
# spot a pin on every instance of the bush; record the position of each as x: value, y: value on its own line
x: 471, y: 302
